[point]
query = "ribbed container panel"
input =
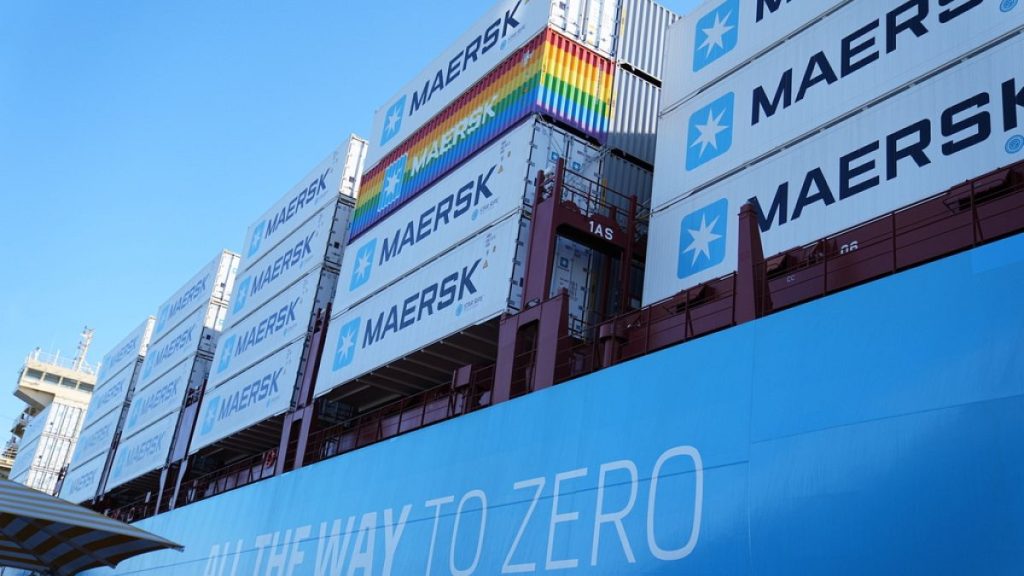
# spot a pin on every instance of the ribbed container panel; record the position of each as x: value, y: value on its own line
x: 643, y: 27
x: 634, y: 121
x: 551, y: 75
x: 628, y: 179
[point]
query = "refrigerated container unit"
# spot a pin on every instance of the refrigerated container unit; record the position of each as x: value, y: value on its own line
x: 317, y: 244
x: 720, y: 37
x: 47, y: 445
x: 334, y: 179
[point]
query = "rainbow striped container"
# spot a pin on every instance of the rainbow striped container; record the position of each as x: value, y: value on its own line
x: 550, y: 75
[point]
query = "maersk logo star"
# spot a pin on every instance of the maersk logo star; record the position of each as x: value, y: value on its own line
x: 391, y: 189
x: 702, y: 237
x: 393, y: 121
x: 147, y: 368
x: 716, y: 34
x: 228, y: 346
x: 710, y: 132
x: 240, y: 295
x: 162, y: 315
x: 364, y: 265
x: 133, y: 416
x: 257, y: 238
x: 211, y: 416
x: 346, y: 350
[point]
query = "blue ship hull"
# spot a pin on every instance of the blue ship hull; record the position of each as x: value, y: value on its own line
x: 876, y: 431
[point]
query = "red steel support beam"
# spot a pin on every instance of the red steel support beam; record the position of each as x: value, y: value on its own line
x: 552, y: 317
x: 752, y: 299
x: 540, y: 258
x: 303, y: 414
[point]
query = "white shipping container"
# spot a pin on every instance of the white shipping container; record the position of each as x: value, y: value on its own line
x: 506, y: 27
x: 83, y: 482
x: 719, y: 36
x: 491, y: 185
x: 336, y: 177
x: 851, y: 58
x: 470, y: 284
x: 110, y: 396
x: 126, y: 352
x: 280, y: 322
x: 189, y: 337
x: 213, y: 282
x: 318, y: 242
x: 164, y: 395
x: 65, y: 418
x: 46, y: 448
x: 961, y: 124
x: 144, y: 452
x: 97, y: 438
x: 263, y: 391
x: 352, y: 166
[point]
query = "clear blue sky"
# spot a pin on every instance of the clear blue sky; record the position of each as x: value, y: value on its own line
x: 138, y: 138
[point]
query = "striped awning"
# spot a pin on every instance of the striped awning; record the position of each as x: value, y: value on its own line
x: 52, y: 536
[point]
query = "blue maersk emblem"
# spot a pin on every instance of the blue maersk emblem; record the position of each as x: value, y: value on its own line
x: 702, y: 237
x: 710, y: 132
x: 257, y: 239
x: 364, y: 265
x: 161, y: 316
x: 133, y: 416
x: 229, y: 351
x: 345, y: 353
x: 241, y: 294
x: 118, y: 467
x: 211, y: 416
x: 391, y: 189
x: 393, y: 121
x: 716, y: 34
x: 147, y: 367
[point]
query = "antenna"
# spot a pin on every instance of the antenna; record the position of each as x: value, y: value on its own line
x: 83, y: 347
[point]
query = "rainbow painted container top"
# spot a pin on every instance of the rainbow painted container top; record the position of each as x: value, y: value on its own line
x: 550, y: 75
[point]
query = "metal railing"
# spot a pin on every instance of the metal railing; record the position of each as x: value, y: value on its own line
x: 403, y: 416
x: 65, y: 362
x: 979, y: 212
x: 591, y: 198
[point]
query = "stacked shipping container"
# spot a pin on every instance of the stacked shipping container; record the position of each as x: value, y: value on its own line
x: 454, y: 167
x: 289, y: 273
x: 549, y: 75
x: 834, y: 124
x: 632, y: 135
x: 47, y: 444
x: 443, y: 215
x: 118, y: 376
x: 177, y: 361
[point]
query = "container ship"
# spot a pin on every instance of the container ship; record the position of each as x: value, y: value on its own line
x: 613, y: 291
